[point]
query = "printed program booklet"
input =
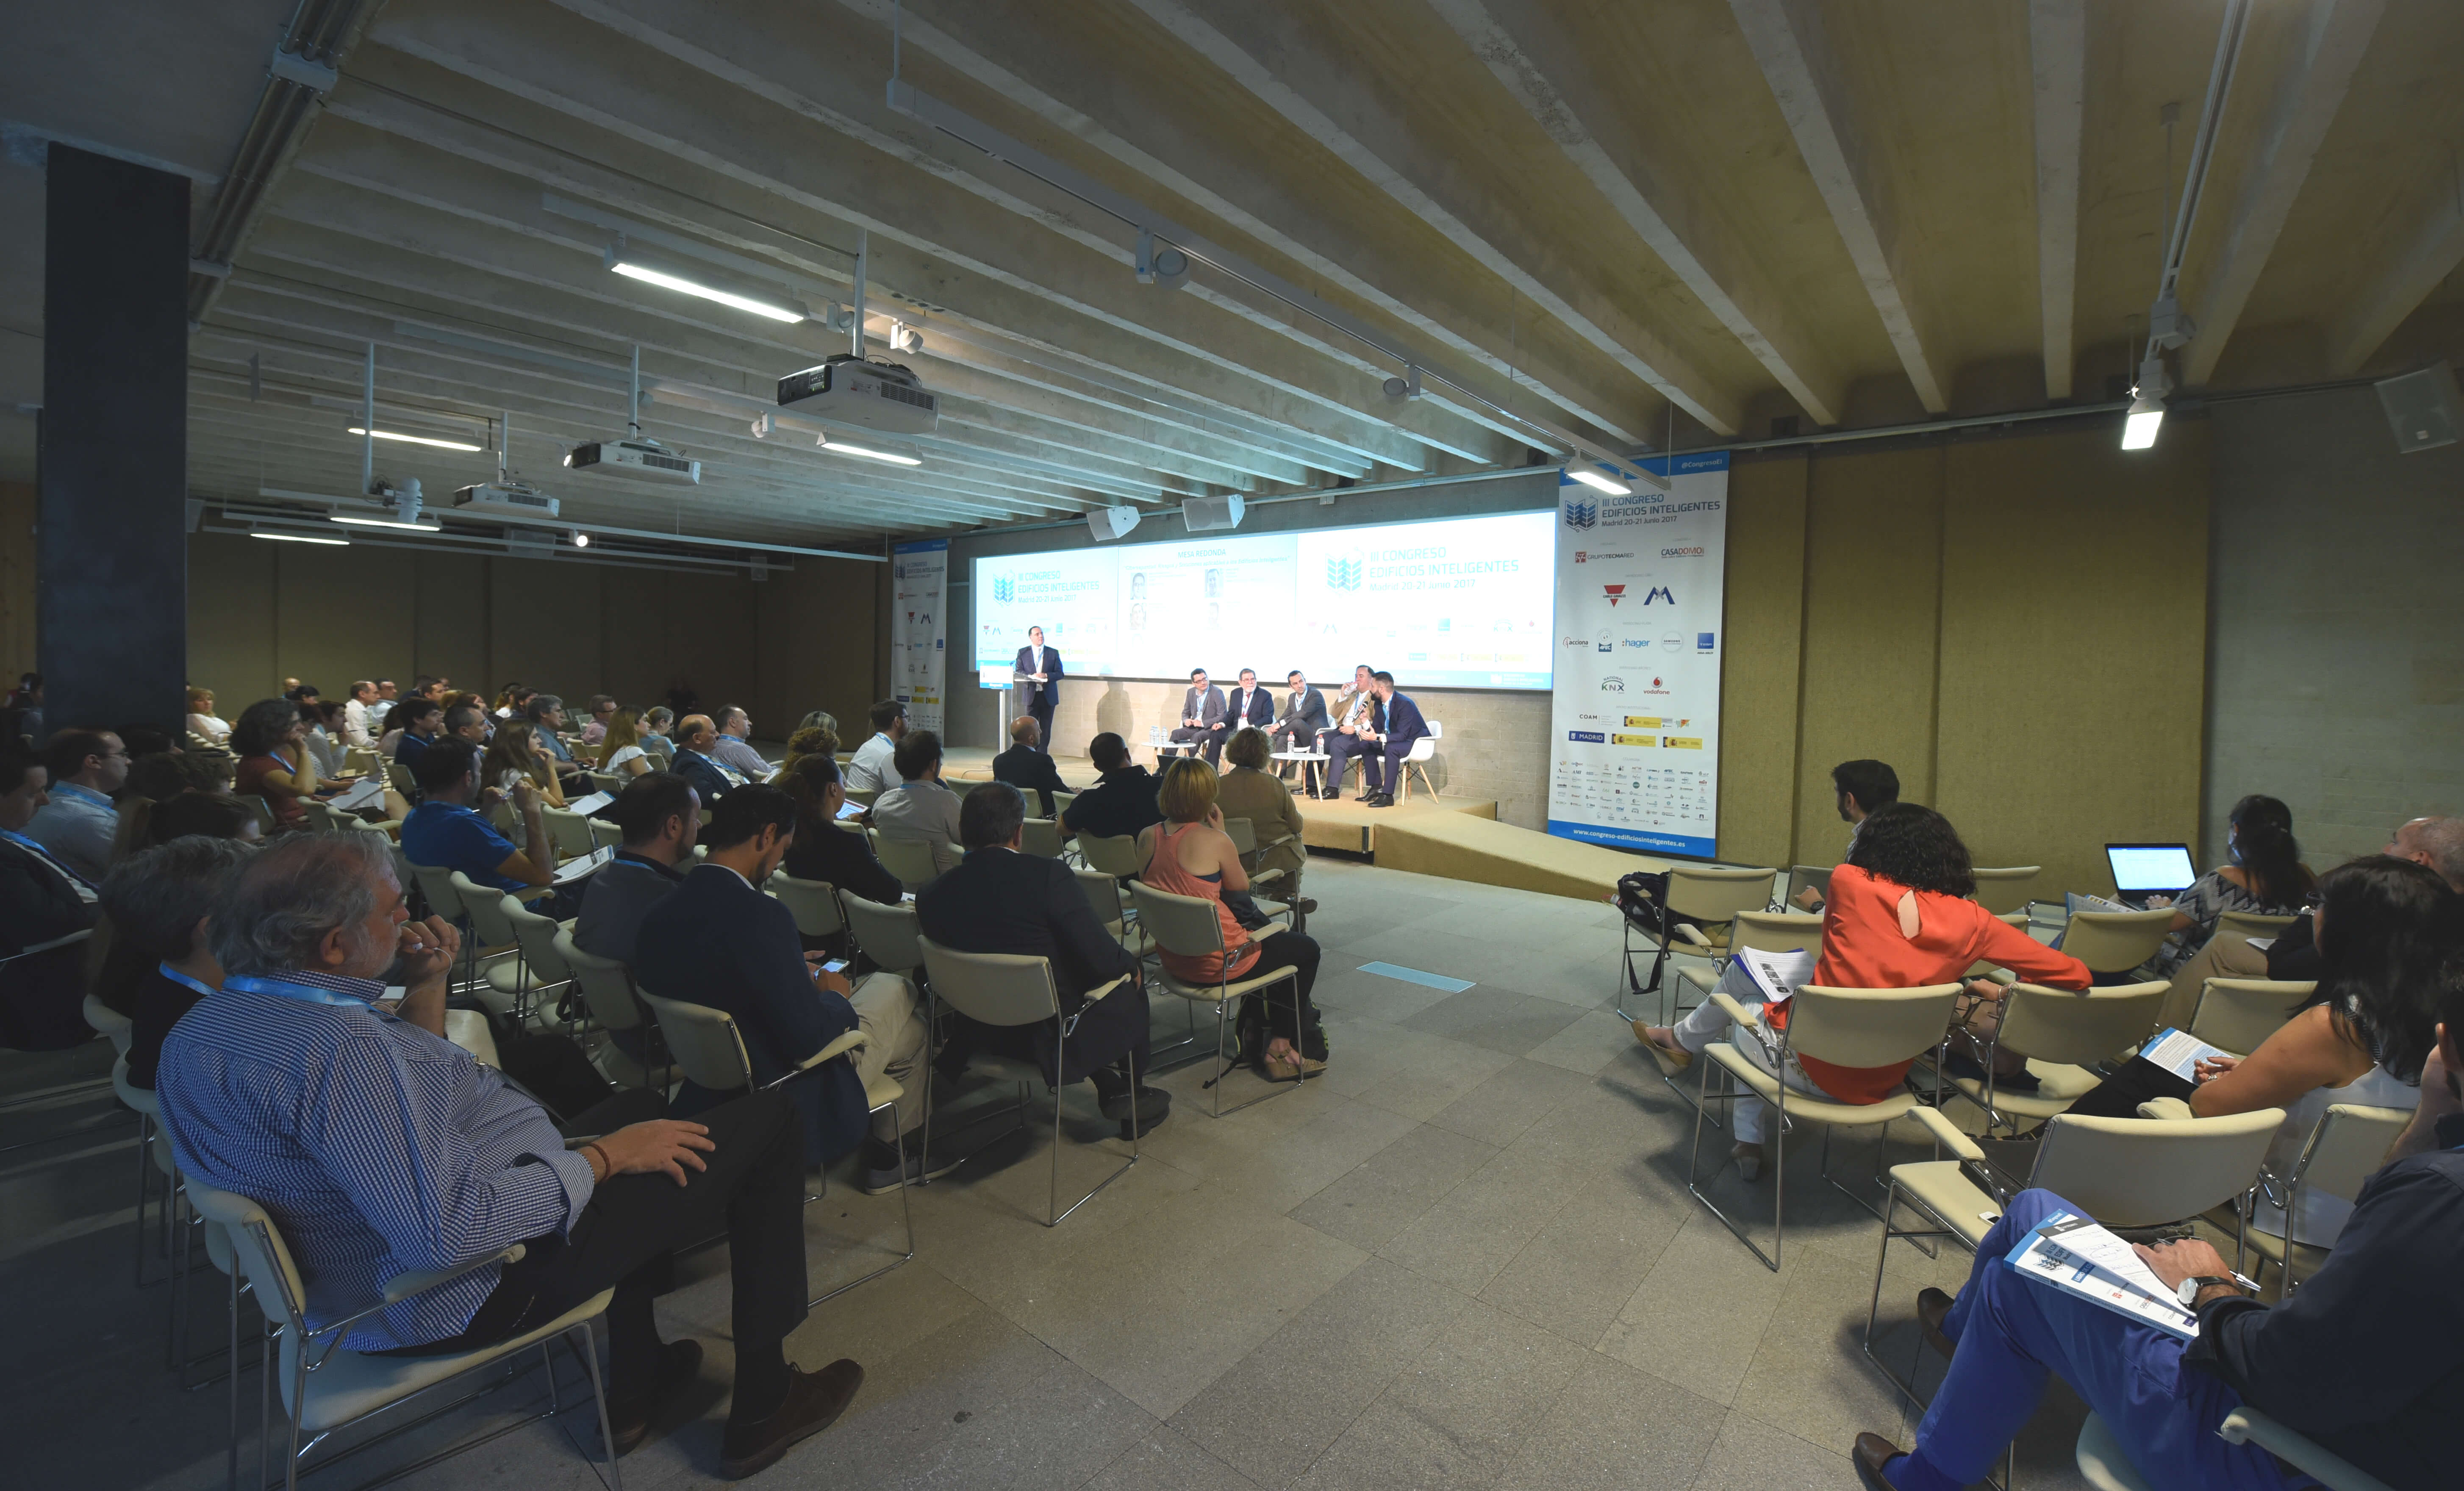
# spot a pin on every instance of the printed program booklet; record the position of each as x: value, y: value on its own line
x: 2077, y: 1257
x: 2179, y: 1052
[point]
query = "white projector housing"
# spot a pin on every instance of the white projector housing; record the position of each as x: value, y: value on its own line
x: 514, y: 500
x: 1110, y: 522
x: 851, y: 390
x: 1207, y: 514
x: 647, y: 459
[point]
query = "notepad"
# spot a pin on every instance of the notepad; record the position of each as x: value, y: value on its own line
x: 572, y: 871
x: 591, y: 804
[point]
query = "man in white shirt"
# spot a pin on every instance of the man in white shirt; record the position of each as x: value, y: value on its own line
x: 354, y: 713
x: 731, y: 751
x: 873, y: 768
x: 919, y: 807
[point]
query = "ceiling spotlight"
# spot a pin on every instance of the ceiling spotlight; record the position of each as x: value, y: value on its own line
x: 267, y: 533
x: 764, y: 427
x: 624, y: 262
x: 1594, y: 480
x: 1160, y: 265
x: 838, y: 446
x: 904, y: 338
x: 580, y: 539
x: 386, y: 522
x: 2146, y: 405
x: 1407, y: 386
x: 418, y: 440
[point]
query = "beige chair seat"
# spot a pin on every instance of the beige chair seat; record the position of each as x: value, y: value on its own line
x: 1801, y: 1105
x: 2059, y: 1086
x: 2101, y: 1463
x: 1209, y: 993
x: 351, y: 1385
x: 2247, y: 1425
x: 1943, y: 1188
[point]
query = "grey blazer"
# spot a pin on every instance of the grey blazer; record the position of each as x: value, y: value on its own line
x: 1305, y: 717
x: 1209, y: 711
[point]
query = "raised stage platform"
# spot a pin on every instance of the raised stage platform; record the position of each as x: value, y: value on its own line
x: 1457, y: 838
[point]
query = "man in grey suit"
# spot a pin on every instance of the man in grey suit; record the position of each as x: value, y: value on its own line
x: 1204, y: 716
x: 1304, y: 716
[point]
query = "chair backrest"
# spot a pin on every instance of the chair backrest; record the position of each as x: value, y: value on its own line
x: 320, y: 816
x: 436, y: 885
x: 1103, y: 895
x: 1816, y: 878
x: 705, y: 1042
x: 607, y: 985
x: 1186, y: 925
x: 263, y: 1257
x: 2005, y: 889
x: 993, y: 988
x: 571, y: 831
x: 117, y: 1026
x: 264, y: 812
x: 1243, y: 835
x: 2116, y: 942
x: 605, y: 834
x: 537, y: 933
x: 910, y: 860
x: 1868, y: 1027
x: 402, y: 781
x: 1116, y: 856
x: 888, y: 934
x: 2143, y: 1172
x: 609, y: 782
x: 2348, y: 1146
x: 1060, y: 801
x: 2251, y: 924
x: 1713, y: 894
x: 863, y: 796
x: 2079, y: 1028
x: 815, y: 904
x: 1426, y: 746
x: 2238, y: 1015
x: 1041, y: 836
x: 487, y: 916
x: 1776, y: 932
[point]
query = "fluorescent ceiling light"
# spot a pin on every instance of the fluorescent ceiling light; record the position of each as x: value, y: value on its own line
x: 839, y: 447
x: 388, y: 522
x: 676, y: 282
x: 1592, y: 479
x: 420, y: 440
x: 264, y: 532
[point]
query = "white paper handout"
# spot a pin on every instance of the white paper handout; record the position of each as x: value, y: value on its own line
x: 2260, y: 943
x: 2079, y: 1258
x: 591, y: 804
x: 369, y: 793
x: 1777, y: 974
x: 2179, y: 1052
x: 572, y: 871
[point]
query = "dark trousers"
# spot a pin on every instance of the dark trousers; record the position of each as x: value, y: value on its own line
x: 1209, y: 737
x: 2133, y: 1083
x: 1041, y: 713
x: 1373, y: 755
x: 1274, y: 1003
x: 1340, y: 749
x: 628, y: 1236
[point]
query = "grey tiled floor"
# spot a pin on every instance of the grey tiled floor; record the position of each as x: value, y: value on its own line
x: 1464, y: 1257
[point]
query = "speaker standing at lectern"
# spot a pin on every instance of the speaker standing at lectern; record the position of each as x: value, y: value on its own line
x: 1038, y: 672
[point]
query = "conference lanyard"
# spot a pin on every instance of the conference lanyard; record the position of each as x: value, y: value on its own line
x: 202, y: 987
x: 248, y: 983
x: 80, y: 882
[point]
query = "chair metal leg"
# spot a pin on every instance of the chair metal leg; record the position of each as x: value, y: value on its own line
x: 579, y: 1338
x: 1779, y: 1171
x: 906, y: 1208
x: 1055, y: 1201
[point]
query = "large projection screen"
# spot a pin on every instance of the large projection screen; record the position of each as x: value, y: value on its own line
x: 1458, y: 602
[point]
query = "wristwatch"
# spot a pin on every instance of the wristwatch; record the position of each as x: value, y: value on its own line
x: 2188, y: 1291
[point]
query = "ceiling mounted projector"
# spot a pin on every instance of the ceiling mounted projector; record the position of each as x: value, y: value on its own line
x: 1209, y: 514
x: 851, y: 390
x: 511, y: 499
x: 1110, y: 522
x: 645, y: 458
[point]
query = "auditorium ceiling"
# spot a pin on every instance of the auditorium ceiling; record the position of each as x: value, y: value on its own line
x: 1588, y: 224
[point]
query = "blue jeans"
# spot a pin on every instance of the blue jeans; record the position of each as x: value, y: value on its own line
x: 2011, y: 1331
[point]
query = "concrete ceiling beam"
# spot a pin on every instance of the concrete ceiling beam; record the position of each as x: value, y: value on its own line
x: 2057, y: 60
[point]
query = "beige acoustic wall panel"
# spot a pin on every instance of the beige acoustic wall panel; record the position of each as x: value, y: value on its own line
x: 17, y: 504
x: 450, y: 622
x: 1873, y: 555
x: 544, y: 627
x: 1760, y: 662
x: 817, y: 631
x: 231, y: 619
x: 336, y: 617
x: 2074, y: 647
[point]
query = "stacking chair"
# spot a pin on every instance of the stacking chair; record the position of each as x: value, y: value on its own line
x: 2005, y: 890
x: 264, y: 812
x: 536, y: 935
x: 1116, y: 856
x: 1847, y: 1027
x: 1103, y: 895
x: 2107, y: 1467
x: 2238, y: 1015
x: 1770, y: 931
x: 2116, y: 942
x: 1424, y: 751
x: 1060, y: 801
x: 709, y: 1051
x: 1708, y: 894
x: 1041, y: 836
x: 862, y: 797
x: 493, y: 936
x: 2251, y: 924
x: 2119, y: 1172
x: 1802, y: 878
x: 359, y: 760
x: 1010, y: 990
x: 2346, y: 1148
x: 570, y: 831
x: 607, y: 989
x: 321, y: 817
x: 109, y: 1022
x: 1190, y: 926
x: 610, y: 783
x: 887, y: 934
x: 603, y: 835
x: 149, y: 1138
x: 814, y: 904
x: 2062, y: 1033
x: 916, y: 862
x: 326, y: 1388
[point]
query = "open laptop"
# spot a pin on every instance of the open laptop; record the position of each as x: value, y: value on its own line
x: 2141, y: 870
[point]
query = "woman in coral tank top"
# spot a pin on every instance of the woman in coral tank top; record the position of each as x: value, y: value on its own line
x: 1899, y: 917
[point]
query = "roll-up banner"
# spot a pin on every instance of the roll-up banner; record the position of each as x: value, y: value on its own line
x: 1634, y: 716
x: 918, y: 647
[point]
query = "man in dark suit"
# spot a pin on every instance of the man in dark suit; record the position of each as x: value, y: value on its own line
x: 1396, y: 725
x: 1250, y: 705
x: 1304, y: 716
x: 999, y: 900
x: 1042, y: 666
x: 1205, y: 717
x: 719, y: 941
x: 1026, y: 766
x: 711, y: 782
x: 1123, y: 799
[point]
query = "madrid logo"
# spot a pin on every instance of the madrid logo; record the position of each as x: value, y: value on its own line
x: 1343, y: 571
x: 1581, y: 515
x: 1004, y: 588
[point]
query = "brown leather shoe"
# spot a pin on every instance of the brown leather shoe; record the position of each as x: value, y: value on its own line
x: 628, y: 1423
x: 1933, y: 1307
x: 814, y: 1402
x: 1871, y: 1454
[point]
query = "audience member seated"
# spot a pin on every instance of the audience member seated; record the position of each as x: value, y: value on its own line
x: 819, y: 719
x: 1863, y: 788
x: 1251, y: 790
x: 603, y: 708
x: 448, y: 832
x: 1123, y: 799
x: 213, y: 815
x: 730, y: 749
x: 873, y: 769
x: 660, y: 819
x: 416, y: 722
x: 1002, y: 900
x: 546, y: 713
x: 2267, y: 878
x: 2364, y: 1360
x: 808, y: 741
x: 1027, y: 766
x: 152, y: 780
x: 273, y: 762
x: 920, y: 808
x: 694, y: 737
x: 380, y: 1148
x: 620, y: 746
x: 520, y: 754
x: 2292, y: 956
x: 1899, y: 917
x: 825, y: 851
x: 78, y: 822
x: 323, y: 736
x: 158, y: 901
x: 202, y: 721
x: 357, y: 715
x: 381, y: 708
x: 656, y: 722
x: 512, y: 700
x: 45, y: 909
x: 718, y: 940
x: 1190, y: 854
x: 466, y: 720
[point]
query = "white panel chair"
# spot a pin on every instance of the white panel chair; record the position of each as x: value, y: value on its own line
x: 916, y: 862
x: 607, y: 988
x: 2238, y: 1015
x: 496, y: 973
x: 570, y: 831
x: 1424, y: 751
x: 887, y: 934
x: 2247, y: 1425
x: 1710, y: 895
x: 814, y: 904
x: 605, y: 834
x: 1189, y: 927
x: 1802, y: 878
x: 2348, y: 1147
x: 862, y: 797
x: 1060, y: 801
x: 1008, y: 991
x: 2116, y: 942
x: 2062, y: 1033
x: 2005, y: 889
x: 2251, y: 924
x: 535, y: 934
x: 1116, y: 856
x: 324, y: 1389
x: 1041, y: 836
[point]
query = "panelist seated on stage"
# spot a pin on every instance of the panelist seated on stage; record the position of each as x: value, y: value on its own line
x: 1304, y: 714
x: 1027, y: 766
x: 1041, y: 666
x: 1123, y: 799
x: 1249, y: 703
x: 1393, y: 728
x: 1205, y: 719
x: 1351, y: 714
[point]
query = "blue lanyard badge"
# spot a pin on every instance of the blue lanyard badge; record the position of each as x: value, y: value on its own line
x: 203, y: 988
x: 248, y: 983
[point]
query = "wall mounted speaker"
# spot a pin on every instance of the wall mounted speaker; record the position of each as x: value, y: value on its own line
x: 1110, y: 522
x: 2422, y: 409
x: 1209, y: 514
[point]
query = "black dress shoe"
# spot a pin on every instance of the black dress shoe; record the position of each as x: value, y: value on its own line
x: 1382, y: 801
x: 1154, y: 1106
x: 628, y: 1423
x: 881, y: 1164
x: 1933, y: 1307
x: 814, y: 1402
x: 1872, y: 1452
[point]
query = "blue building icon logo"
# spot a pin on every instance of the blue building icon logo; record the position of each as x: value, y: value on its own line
x: 1344, y: 571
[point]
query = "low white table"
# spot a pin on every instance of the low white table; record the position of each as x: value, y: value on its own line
x: 1309, y: 760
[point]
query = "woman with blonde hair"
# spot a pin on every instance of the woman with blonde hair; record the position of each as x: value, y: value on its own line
x: 517, y: 752
x: 620, y: 749
x: 1190, y: 854
x: 808, y: 741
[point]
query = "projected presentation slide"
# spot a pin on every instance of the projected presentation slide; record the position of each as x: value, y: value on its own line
x: 1460, y: 603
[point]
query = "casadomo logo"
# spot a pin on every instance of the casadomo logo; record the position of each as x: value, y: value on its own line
x: 1580, y: 516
